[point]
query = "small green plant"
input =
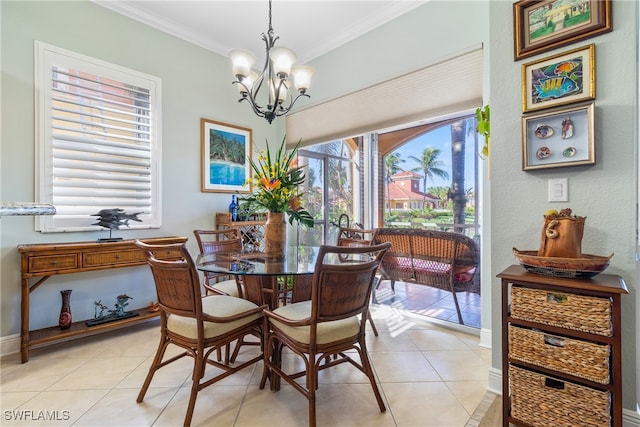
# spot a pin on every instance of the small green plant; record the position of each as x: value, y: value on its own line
x: 483, y: 120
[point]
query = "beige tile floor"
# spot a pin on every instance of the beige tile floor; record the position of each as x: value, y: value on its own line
x: 431, y: 302
x: 429, y: 375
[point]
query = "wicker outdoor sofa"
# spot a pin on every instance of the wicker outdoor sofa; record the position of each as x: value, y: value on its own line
x: 441, y: 259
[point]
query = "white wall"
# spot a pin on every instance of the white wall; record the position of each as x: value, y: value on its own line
x: 196, y: 83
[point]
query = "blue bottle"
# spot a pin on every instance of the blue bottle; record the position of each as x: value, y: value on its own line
x: 233, y: 208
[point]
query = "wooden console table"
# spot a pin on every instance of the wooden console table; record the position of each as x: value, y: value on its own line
x: 41, y: 261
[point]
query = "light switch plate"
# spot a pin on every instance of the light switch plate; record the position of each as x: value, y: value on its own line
x: 559, y: 190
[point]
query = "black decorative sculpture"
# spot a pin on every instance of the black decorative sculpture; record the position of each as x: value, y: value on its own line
x: 114, y: 219
x: 117, y: 314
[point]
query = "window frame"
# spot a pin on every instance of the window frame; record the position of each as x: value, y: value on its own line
x: 48, y: 56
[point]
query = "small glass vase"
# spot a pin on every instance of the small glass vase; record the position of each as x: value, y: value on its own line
x: 275, y: 235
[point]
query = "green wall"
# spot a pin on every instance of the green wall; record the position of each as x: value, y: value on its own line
x: 606, y: 193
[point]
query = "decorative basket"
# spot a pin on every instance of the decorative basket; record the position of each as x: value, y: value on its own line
x: 584, y: 267
x: 539, y: 400
x: 565, y: 310
x: 579, y: 358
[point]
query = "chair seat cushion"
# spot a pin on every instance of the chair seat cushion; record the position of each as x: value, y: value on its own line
x: 327, y: 331
x: 215, y: 305
x: 228, y: 287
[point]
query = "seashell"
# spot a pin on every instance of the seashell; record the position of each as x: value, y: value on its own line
x: 569, y: 152
x: 543, y: 131
x: 567, y: 128
x: 542, y: 153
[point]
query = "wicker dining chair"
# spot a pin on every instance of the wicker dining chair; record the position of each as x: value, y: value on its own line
x: 354, y: 236
x: 199, y: 325
x: 210, y: 242
x: 332, y: 323
x: 216, y: 241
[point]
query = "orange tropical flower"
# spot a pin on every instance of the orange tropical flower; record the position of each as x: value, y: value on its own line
x: 270, y: 184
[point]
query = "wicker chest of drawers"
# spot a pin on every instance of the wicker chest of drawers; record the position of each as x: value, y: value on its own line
x: 561, y: 350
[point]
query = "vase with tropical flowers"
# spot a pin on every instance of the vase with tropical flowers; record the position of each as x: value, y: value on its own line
x: 276, y: 190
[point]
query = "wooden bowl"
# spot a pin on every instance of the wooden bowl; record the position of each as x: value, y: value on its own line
x: 583, y: 267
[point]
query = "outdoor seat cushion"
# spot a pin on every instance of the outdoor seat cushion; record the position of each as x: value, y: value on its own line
x: 401, y: 267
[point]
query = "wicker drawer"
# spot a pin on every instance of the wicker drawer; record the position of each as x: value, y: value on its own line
x: 95, y: 259
x: 582, y: 359
x: 562, y: 309
x: 52, y: 263
x: 166, y: 254
x: 539, y: 400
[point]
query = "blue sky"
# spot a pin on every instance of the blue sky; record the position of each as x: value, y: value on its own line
x: 440, y: 138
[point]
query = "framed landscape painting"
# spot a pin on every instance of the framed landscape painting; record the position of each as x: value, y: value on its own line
x: 225, y: 150
x: 560, y: 79
x: 540, y: 26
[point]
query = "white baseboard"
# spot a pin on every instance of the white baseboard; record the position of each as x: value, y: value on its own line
x: 9, y: 345
x: 495, y: 381
x: 485, y: 338
x: 629, y: 418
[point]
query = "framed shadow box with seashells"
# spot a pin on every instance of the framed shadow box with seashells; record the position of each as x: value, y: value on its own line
x: 559, y: 137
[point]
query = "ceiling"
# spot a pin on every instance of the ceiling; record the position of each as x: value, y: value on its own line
x: 308, y: 27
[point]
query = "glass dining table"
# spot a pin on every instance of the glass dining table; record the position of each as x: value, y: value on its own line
x: 266, y: 280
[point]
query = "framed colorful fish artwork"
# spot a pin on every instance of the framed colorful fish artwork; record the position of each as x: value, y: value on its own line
x: 559, y: 80
x: 543, y: 25
x: 559, y: 137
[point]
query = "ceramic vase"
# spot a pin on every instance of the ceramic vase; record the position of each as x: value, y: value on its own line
x: 64, y: 320
x: 275, y: 235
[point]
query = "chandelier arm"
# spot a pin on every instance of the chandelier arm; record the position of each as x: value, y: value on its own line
x: 255, y: 107
x: 286, y: 110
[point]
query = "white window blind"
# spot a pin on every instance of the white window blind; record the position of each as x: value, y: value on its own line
x: 446, y: 87
x: 98, y: 143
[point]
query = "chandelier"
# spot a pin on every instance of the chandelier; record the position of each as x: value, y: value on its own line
x: 278, y: 96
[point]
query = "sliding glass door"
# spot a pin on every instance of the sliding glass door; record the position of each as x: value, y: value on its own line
x: 332, y: 188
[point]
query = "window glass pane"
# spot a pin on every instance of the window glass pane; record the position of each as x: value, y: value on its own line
x: 430, y: 180
x: 334, y: 184
x: 313, y: 194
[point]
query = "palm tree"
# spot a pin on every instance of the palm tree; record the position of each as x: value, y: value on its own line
x: 391, y: 167
x: 457, y: 194
x: 429, y: 166
x: 441, y: 193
